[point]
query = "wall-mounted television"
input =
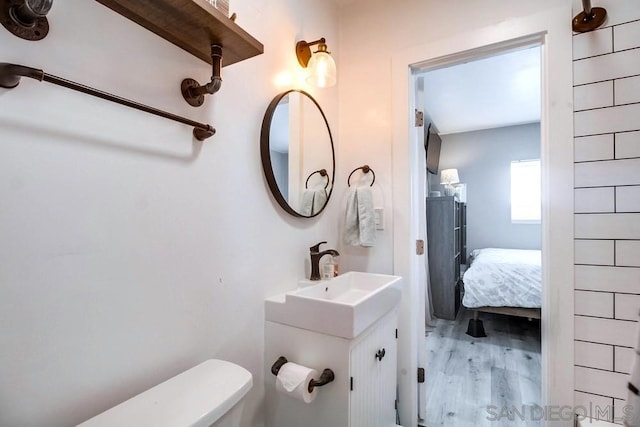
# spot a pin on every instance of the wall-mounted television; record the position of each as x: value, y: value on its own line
x: 432, y: 143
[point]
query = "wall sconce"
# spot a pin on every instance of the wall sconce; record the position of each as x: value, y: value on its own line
x: 448, y: 178
x: 321, y: 66
x: 26, y: 18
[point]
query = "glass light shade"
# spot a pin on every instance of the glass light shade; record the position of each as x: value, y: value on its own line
x: 322, y: 70
x: 449, y: 176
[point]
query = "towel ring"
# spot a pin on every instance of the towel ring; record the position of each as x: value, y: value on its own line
x: 365, y: 169
x: 322, y: 172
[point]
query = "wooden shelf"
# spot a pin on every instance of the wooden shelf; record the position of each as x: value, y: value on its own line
x: 193, y: 25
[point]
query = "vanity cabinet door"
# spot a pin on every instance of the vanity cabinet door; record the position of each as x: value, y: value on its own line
x: 373, y: 367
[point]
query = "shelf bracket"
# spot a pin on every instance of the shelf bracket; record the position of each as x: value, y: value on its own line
x: 193, y: 92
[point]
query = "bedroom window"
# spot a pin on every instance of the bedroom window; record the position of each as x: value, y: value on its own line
x: 525, y: 192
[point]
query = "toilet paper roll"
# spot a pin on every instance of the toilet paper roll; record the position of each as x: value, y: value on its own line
x: 293, y: 380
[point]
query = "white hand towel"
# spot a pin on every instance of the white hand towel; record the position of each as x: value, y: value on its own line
x: 359, y: 223
x: 351, y: 227
x: 319, y: 200
x: 306, y: 206
x: 366, y: 216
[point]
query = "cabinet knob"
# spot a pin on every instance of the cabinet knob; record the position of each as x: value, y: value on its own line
x: 380, y: 354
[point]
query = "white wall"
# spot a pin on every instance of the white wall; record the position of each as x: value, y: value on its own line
x: 607, y: 206
x: 483, y: 159
x: 128, y: 255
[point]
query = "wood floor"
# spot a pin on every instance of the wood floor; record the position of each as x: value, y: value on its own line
x: 466, y: 375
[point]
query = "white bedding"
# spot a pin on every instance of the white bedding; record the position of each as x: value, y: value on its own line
x: 503, y: 278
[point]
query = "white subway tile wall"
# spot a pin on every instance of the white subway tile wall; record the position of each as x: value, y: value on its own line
x: 623, y: 359
x: 628, y: 199
x: 594, y: 252
x: 606, y: 67
x: 608, y: 226
x: 620, y: 11
x: 607, y: 279
x: 605, y: 331
x: 606, y: 120
x: 598, y: 147
x: 628, y: 253
x: 592, y: 200
x: 597, y: 381
x: 596, y: 304
x: 627, y: 145
x: 594, y: 43
x: 606, y: 173
x: 589, y: 401
x: 627, y: 306
x: 607, y: 206
x: 596, y: 95
x: 626, y: 36
x: 594, y: 355
x: 626, y: 91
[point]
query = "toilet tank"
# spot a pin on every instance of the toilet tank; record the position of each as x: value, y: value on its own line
x: 197, y: 397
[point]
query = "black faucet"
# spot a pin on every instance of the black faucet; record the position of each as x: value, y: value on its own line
x: 314, y: 252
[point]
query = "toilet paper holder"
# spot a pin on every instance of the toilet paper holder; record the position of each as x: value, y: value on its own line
x: 326, y: 377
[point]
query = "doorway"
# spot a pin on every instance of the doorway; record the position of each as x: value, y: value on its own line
x: 482, y: 174
x: 549, y: 29
x: 482, y: 145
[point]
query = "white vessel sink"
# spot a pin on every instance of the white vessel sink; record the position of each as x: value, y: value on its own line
x: 343, y: 306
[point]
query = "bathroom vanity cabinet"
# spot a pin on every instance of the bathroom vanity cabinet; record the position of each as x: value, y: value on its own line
x: 363, y: 393
x: 373, y: 366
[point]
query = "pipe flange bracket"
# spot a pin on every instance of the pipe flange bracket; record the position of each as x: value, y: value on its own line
x: 38, y: 31
x: 583, y: 23
x: 185, y: 87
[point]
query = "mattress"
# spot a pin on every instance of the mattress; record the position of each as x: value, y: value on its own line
x: 503, y: 278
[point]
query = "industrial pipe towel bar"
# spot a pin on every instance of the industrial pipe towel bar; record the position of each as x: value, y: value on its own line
x: 10, y: 75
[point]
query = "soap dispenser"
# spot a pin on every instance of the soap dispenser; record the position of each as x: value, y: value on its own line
x: 330, y: 268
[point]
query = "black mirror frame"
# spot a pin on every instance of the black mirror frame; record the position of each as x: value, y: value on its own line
x: 265, y: 154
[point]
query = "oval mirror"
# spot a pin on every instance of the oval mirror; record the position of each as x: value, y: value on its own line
x: 297, y: 153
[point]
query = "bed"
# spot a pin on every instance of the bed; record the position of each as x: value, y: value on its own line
x: 504, y: 281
